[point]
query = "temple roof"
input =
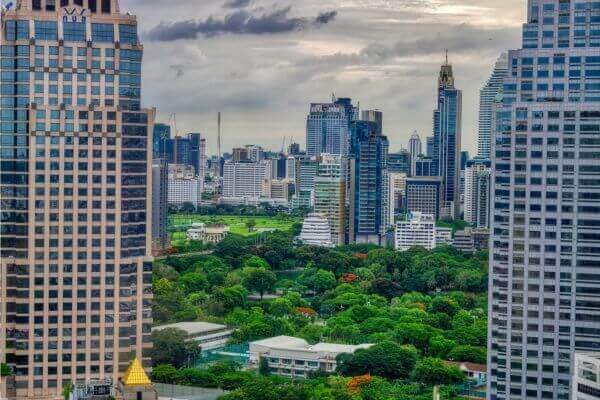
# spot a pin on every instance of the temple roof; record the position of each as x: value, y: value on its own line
x: 135, y: 375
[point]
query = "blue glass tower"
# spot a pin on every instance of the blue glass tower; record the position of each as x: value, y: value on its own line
x: 369, y: 183
x: 328, y: 127
x: 162, y: 135
x: 447, y: 130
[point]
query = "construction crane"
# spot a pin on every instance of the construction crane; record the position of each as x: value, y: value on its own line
x: 173, y: 123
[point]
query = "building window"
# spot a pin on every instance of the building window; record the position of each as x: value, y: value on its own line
x: 74, y: 31
x: 128, y: 34
x: 46, y: 30
x: 103, y: 33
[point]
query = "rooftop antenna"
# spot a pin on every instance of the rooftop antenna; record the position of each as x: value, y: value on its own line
x: 446, y: 56
x: 219, y: 134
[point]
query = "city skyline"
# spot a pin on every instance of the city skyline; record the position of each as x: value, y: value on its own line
x: 285, y: 71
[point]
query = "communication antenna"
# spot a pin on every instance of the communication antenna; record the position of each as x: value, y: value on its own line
x: 219, y: 134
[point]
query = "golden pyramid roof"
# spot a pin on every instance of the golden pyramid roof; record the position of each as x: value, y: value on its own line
x: 135, y: 375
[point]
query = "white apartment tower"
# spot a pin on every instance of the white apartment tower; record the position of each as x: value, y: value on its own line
x: 75, y: 254
x: 544, y: 300
x: 487, y: 96
x: 244, y: 180
x: 477, y: 195
x: 417, y: 231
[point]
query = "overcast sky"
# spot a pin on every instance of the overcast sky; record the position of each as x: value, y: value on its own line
x: 262, y: 62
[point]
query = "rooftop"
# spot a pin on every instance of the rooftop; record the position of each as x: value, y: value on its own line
x: 193, y: 328
x: 292, y: 343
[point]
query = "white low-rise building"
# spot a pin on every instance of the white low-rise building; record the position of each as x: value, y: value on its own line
x: 295, y: 358
x: 207, y: 233
x: 443, y: 236
x: 316, y: 231
x: 209, y: 336
x: 417, y: 231
x: 586, y: 379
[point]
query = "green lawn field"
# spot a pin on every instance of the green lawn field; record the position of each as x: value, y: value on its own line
x: 237, y: 224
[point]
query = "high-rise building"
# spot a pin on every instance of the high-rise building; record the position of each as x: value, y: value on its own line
x: 369, y: 184
x: 306, y: 171
x: 423, y: 194
x: 415, y: 150
x: 290, y: 169
x: 477, y: 194
x: 316, y: 231
x: 330, y: 194
x: 328, y: 127
x: 430, y: 150
x: 188, y: 150
x: 184, y: 186
x: 487, y: 96
x: 399, y: 162
x: 373, y: 116
x: 424, y: 167
x: 75, y: 254
x: 244, y: 180
x: 447, y: 129
x: 544, y: 289
x: 397, y: 193
x: 162, y: 135
x: 160, y: 205
x: 294, y: 149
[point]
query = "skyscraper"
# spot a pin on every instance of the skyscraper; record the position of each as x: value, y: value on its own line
x: 373, y: 116
x: 160, y: 205
x: 487, y: 95
x: 328, y: 127
x: 477, y: 194
x: 369, y: 184
x: 544, y: 302
x: 399, y: 162
x: 447, y: 130
x: 75, y: 254
x: 330, y: 194
x: 162, y: 135
x: 188, y: 150
x: 430, y: 141
x: 415, y: 149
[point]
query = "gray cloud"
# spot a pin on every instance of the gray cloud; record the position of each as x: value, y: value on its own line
x: 238, y: 22
x: 236, y: 3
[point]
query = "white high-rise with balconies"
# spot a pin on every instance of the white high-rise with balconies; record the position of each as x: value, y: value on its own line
x: 487, y: 96
x: 76, y: 152
x: 544, y: 302
x: 415, y: 149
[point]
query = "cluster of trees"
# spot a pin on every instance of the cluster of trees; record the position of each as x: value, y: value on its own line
x: 262, y: 210
x: 418, y: 308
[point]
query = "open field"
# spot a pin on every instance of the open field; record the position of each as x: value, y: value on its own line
x: 237, y: 224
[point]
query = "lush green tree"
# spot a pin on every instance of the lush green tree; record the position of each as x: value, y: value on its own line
x: 193, y: 282
x: 231, y: 297
x: 468, y: 353
x: 280, y: 307
x: 318, y: 280
x: 440, y: 347
x: 196, y: 377
x: 388, y: 360
x: 164, y: 373
x: 386, y: 288
x: 234, y: 380
x: 433, y: 371
x: 444, y: 305
x: 250, y: 224
x: 231, y: 249
x: 263, y: 368
x: 415, y: 334
x: 256, y: 262
x: 170, y: 346
x: 260, y: 280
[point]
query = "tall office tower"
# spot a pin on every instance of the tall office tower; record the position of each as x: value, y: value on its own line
x: 544, y: 286
x: 397, y: 192
x: 373, y: 116
x: 328, y: 127
x: 429, y: 150
x: 197, y: 153
x: 415, y: 149
x: 306, y: 171
x: 162, y: 134
x: 75, y: 254
x: 290, y: 169
x: 447, y: 122
x: 477, y: 194
x: 330, y: 194
x: 160, y: 205
x: 369, y: 184
x: 255, y: 153
x: 240, y: 154
x: 487, y: 96
x: 399, y: 162
x: 281, y: 162
x: 294, y: 149
x: 424, y: 167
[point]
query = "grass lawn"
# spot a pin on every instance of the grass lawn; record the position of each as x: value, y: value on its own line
x: 237, y: 224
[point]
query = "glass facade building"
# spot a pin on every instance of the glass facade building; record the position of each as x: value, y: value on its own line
x: 487, y: 97
x: 447, y: 131
x: 544, y: 281
x: 76, y: 265
x: 369, y: 212
x: 328, y: 127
